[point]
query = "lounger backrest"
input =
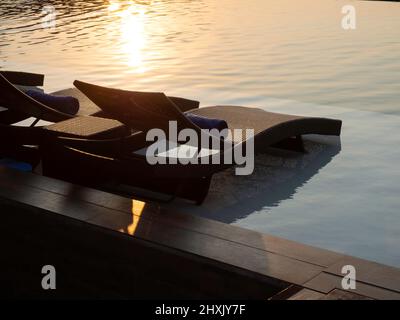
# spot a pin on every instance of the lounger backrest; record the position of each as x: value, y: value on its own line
x: 139, y: 110
x: 184, y: 104
x: 157, y: 111
x: 24, y: 78
x: 16, y: 100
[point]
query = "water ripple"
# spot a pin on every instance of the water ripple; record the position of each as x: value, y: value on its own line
x: 213, y: 49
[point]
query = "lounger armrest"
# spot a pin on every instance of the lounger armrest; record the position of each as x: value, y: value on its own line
x: 24, y: 78
x: 185, y: 104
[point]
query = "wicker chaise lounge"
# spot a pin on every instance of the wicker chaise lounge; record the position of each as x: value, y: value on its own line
x: 22, y: 141
x: 108, y: 148
x: 121, y: 164
x: 145, y: 111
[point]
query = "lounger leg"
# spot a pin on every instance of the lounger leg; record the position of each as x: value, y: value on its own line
x: 204, y: 186
x: 193, y: 189
x: 25, y: 154
x: 292, y: 144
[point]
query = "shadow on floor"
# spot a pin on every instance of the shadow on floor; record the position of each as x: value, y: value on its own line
x: 277, y: 176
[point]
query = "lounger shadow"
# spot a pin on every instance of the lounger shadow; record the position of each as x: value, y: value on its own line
x: 279, y: 176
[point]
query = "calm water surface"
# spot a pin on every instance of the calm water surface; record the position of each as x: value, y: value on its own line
x: 216, y: 50
x: 279, y: 54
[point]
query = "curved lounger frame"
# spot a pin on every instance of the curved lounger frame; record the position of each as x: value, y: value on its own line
x: 145, y: 111
x: 20, y: 107
x: 112, y: 163
x: 270, y: 128
x: 10, y: 115
x: 17, y: 101
x: 24, y: 78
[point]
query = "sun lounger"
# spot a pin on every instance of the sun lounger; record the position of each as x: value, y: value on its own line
x: 16, y: 108
x: 145, y: 111
x: 109, y: 147
x: 23, y: 135
x: 116, y: 161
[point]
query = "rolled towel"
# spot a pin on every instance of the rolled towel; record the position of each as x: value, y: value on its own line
x: 65, y: 104
x: 207, y: 123
x: 21, y: 166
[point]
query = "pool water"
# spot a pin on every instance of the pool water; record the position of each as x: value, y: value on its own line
x: 342, y: 194
x: 286, y: 56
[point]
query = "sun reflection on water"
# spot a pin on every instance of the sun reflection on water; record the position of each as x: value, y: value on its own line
x: 132, y: 17
x: 113, y: 6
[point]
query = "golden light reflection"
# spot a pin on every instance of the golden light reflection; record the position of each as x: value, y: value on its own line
x: 137, y: 210
x: 132, y: 31
x: 113, y: 6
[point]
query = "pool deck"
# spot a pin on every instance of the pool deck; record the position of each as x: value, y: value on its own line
x: 108, y: 246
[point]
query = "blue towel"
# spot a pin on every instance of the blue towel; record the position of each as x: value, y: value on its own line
x: 69, y: 105
x: 207, y: 123
x: 21, y: 166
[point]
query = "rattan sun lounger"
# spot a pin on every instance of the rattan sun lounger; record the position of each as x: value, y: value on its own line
x: 144, y: 111
x: 98, y: 150
x: 21, y: 142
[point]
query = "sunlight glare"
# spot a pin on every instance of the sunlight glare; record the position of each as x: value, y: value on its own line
x: 113, y: 6
x: 133, y: 35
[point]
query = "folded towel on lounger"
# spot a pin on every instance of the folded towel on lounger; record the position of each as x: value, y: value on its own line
x: 69, y: 105
x: 207, y: 123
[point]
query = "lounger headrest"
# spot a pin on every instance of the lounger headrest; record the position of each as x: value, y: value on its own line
x: 139, y: 110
